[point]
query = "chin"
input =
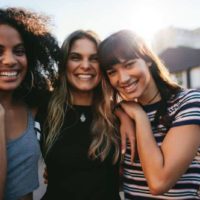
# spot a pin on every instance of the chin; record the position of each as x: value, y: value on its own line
x: 8, y: 88
x: 128, y: 97
x: 85, y: 89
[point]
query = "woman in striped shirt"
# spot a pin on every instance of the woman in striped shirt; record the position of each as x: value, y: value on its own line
x: 166, y: 118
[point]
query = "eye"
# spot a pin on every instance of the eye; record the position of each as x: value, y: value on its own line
x: 74, y: 57
x: 94, y: 59
x: 130, y: 64
x: 111, y: 72
x: 19, y: 51
x: 1, y: 51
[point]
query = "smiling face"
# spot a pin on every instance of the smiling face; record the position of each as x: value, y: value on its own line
x: 13, y: 60
x: 82, y: 69
x: 132, y: 79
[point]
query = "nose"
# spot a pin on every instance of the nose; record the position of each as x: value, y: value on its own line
x: 123, y: 77
x: 8, y: 58
x: 85, y: 64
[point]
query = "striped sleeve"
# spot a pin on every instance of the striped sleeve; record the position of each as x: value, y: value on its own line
x: 188, y: 111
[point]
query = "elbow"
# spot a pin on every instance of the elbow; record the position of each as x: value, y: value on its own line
x: 156, y: 190
x: 158, y: 187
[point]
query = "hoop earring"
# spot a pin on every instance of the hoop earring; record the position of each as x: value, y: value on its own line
x: 32, y: 80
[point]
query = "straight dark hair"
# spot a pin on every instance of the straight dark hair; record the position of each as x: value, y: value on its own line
x: 126, y: 45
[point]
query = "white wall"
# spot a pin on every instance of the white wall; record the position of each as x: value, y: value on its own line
x: 180, y: 78
x: 195, y: 77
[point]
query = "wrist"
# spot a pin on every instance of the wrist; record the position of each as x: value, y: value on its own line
x: 140, y: 116
x: 2, y: 111
x: 2, y: 115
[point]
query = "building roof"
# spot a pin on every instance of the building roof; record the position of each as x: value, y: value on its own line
x: 180, y: 58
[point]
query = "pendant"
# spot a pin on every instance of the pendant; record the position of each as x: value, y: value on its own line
x: 82, y: 117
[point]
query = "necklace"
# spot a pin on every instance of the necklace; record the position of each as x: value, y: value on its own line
x: 82, y: 117
x: 153, y: 97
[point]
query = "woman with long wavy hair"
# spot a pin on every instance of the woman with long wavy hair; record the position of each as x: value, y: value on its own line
x: 80, y: 142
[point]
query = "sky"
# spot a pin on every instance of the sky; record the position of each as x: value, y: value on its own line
x: 105, y: 17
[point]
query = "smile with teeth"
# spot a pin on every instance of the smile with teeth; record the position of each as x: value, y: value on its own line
x: 131, y: 87
x: 8, y: 74
x: 85, y: 76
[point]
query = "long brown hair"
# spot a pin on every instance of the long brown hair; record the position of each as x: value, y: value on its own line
x: 127, y: 45
x: 102, y: 128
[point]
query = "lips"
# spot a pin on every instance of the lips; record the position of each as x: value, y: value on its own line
x: 8, y: 73
x: 9, y: 76
x: 130, y: 87
x: 85, y: 76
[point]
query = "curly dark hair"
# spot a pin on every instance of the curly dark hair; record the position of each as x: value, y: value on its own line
x: 42, y: 51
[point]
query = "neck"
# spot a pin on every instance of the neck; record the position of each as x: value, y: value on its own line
x: 153, y: 99
x: 6, y: 99
x: 151, y: 95
x: 84, y: 99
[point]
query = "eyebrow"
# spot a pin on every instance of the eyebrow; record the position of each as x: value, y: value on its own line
x: 126, y: 61
x: 74, y: 54
x: 94, y: 55
x: 17, y: 45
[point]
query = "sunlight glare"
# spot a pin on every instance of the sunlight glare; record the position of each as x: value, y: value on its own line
x: 146, y: 20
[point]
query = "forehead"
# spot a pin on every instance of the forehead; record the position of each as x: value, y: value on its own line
x: 84, y: 45
x: 9, y: 35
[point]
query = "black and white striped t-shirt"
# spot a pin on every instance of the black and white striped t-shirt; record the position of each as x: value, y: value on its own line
x: 185, y: 109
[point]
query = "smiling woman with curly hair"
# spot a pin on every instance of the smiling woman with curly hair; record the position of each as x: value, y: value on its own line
x: 29, y: 55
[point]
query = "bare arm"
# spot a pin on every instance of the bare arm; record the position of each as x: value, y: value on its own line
x: 127, y: 130
x: 164, y: 165
x: 3, y: 160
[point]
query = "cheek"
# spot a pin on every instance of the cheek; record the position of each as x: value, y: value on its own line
x: 69, y: 76
x: 145, y: 74
x: 99, y: 77
x: 69, y: 67
x: 98, y: 72
x: 148, y: 76
x: 24, y: 62
x: 112, y: 80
